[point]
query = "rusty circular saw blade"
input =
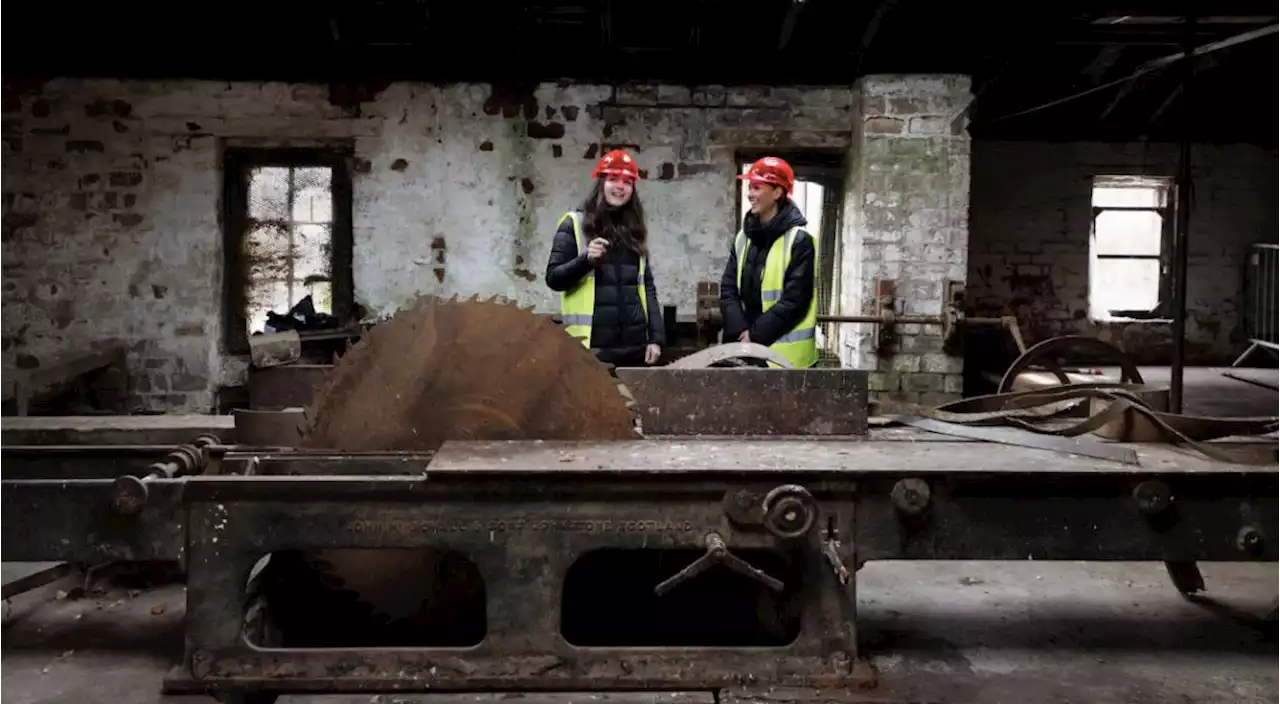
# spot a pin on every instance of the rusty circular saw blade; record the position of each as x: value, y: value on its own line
x: 465, y: 370
x: 443, y: 370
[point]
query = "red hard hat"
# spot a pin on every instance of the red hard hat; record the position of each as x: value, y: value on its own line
x: 616, y: 163
x: 772, y: 171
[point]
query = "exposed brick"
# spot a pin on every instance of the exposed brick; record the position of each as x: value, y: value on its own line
x: 883, y: 125
x: 84, y: 146
x: 124, y: 179
x: 637, y: 94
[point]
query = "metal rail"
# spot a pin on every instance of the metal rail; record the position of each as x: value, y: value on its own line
x: 1261, y: 287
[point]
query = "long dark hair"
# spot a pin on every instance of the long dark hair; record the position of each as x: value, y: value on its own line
x: 623, y: 225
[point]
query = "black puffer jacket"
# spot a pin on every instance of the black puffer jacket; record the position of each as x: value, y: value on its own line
x: 619, y: 331
x: 742, y: 309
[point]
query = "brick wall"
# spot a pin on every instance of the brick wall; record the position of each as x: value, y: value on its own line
x: 111, y: 196
x: 906, y: 222
x: 1029, y: 242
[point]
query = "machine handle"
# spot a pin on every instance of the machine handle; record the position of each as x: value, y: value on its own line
x: 130, y: 492
x: 790, y: 511
x: 718, y: 554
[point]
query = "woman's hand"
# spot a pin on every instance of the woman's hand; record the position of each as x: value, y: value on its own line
x: 596, y: 249
x: 652, y: 353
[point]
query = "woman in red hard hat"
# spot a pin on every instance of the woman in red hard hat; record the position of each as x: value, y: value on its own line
x: 600, y: 263
x: 767, y: 292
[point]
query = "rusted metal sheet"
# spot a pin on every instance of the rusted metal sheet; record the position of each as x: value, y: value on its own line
x: 749, y: 401
x: 884, y: 452
x: 289, y: 386
x: 76, y: 521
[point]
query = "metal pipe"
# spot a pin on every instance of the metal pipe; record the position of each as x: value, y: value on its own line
x: 1181, y: 225
x: 907, y: 320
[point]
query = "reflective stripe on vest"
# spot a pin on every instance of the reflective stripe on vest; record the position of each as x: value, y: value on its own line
x: 800, y: 344
x: 578, y: 304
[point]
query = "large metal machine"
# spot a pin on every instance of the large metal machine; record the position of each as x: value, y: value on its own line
x: 471, y: 502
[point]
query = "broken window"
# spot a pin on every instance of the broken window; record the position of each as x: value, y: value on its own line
x: 289, y: 237
x: 1127, y: 271
x: 289, y: 244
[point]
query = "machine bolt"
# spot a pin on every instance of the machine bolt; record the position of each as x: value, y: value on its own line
x: 910, y: 496
x: 1249, y: 539
x: 1152, y: 496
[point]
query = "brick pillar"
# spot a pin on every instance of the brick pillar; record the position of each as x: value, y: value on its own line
x: 906, y: 222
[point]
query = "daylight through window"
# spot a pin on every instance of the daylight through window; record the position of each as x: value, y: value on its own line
x: 289, y: 242
x: 1126, y: 270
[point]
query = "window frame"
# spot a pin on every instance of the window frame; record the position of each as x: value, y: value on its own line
x: 1163, y: 257
x: 237, y: 164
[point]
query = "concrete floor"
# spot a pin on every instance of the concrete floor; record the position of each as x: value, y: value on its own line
x: 945, y: 632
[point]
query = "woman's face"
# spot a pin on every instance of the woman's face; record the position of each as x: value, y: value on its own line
x: 763, y: 197
x: 618, y: 190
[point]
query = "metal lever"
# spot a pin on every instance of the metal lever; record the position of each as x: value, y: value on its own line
x: 831, y: 550
x: 717, y: 553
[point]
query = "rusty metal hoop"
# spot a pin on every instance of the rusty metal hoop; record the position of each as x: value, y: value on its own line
x: 1050, y: 349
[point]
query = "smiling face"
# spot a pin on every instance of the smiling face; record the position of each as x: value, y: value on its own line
x: 763, y: 197
x: 618, y: 189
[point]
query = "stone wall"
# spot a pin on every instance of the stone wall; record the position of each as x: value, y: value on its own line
x: 906, y: 224
x: 112, y: 196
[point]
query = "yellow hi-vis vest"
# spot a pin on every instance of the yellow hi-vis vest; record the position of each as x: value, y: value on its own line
x: 578, y: 304
x: 799, y: 345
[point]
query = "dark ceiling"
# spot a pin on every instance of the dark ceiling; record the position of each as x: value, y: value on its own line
x: 1021, y: 56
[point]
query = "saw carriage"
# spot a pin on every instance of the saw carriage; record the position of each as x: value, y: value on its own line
x: 471, y: 502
